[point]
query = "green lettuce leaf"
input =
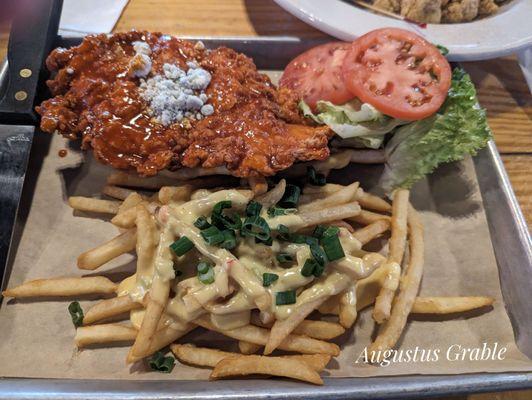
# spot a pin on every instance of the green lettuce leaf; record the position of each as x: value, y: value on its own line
x: 361, y: 124
x: 457, y: 129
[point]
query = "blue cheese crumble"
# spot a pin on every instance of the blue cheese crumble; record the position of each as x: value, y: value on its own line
x: 140, y: 64
x: 177, y: 94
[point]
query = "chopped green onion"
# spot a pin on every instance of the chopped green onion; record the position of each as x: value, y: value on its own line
x: 181, y: 246
x: 205, y: 273
x: 158, y: 362
x: 297, y: 238
x: 284, y: 298
x: 311, y: 241
x: 321, y: 231
x: 314, y: 178
x: 203, y: 267
x: 290, y: 197
x: 221, y: 205
x: 332, y: 247
x: 283, y: 233
x: 207, y: 278
x: 229, y: 242
x: 284, y: 257
x: 256, y: 226
x: 318, y: 270
x: 212, y: 235
x: 253, y: 208
x: 222, y: 220
x: 318, y: 254
x: 202, y: 223
x: 318, y: 231
x: 308, y: 267
x: 268, y: 279
x: 76, y: 313
x: 274, y: 211
x: 331, y: 231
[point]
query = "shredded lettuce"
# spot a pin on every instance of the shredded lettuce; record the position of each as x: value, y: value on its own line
x: 362, y: 124
x: 457, y: 129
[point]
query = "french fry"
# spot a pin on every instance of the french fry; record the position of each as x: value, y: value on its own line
x: 206, y: 357
x: 272, y: 197
x: 159, y: 291
x: 93, y: 205
x: 347, y: 311
x: 109, y: 308
x: 343, y: 224
x: 325, y: 190
x: 121, y: 244
x: 163, y: 338
x: 154, y: 310
x: 336, y: 160
x: 258, y: 185
x: 131, y: 201
x: 342, y: 196
x: 369, y: 232
x: 383, y: 303
x: 127, y: 218
x: 62, y: 287
x: 399, y: 225
x: 200, y: 356
x: 317, y: 362
x: 116, y: 192
x: 323, y: 330
x: 147, y: 241
x: 274, y: 366
x: 372, y: 202
x: 104, y: 333
x: 422, y: 305
x: 391, y: 330
x: 282, y: 328
x: 449, y: 305
x: 254, y: 334
x: 330, y: 306
x: 174, y: 193
x: 366, y: 217
x: 248, y: 348
x: 333, y: 284
x: 389, y: 285
x: 344, y: 211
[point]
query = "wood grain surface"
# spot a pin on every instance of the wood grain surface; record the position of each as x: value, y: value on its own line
x: 502, y: 89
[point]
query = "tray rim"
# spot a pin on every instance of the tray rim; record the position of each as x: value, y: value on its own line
x: 407, y: 386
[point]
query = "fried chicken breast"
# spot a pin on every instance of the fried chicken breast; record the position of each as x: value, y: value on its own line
x: 146, y: 102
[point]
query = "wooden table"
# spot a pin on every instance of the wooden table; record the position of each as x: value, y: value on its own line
x: 502, y: 89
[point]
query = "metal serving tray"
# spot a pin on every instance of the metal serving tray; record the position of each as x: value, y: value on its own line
x: 511, y: 241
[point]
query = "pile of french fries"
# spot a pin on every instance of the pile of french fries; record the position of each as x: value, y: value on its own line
x: 391, y: 285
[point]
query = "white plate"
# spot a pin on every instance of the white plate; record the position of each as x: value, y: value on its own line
x: 508, y: 31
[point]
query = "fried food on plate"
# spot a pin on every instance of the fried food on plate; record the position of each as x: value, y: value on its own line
x: 147, y: 102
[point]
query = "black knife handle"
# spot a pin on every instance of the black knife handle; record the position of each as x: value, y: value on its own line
x: 32, y: 36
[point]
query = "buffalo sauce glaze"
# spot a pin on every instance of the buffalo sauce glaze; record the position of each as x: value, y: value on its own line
x: 255, y: 129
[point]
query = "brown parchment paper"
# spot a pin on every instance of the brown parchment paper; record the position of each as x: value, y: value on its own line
x: 36, y: 337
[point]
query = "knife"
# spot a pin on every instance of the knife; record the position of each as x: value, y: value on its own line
x: 33, y: 33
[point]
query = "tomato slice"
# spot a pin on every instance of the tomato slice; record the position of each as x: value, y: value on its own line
x: 317, y: 74
x: 398, y: 72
